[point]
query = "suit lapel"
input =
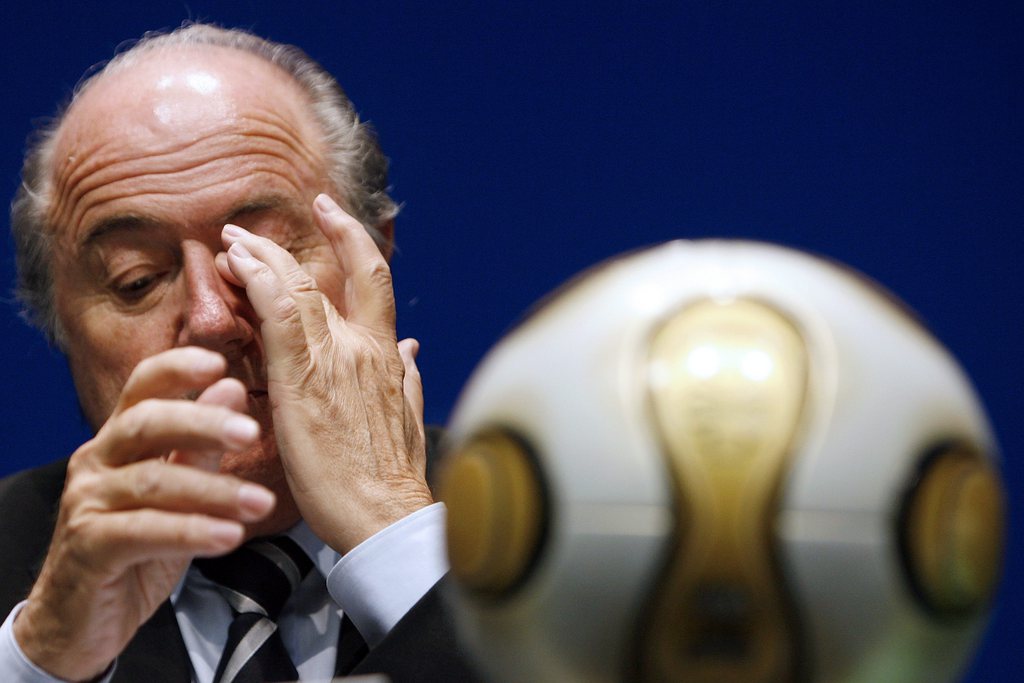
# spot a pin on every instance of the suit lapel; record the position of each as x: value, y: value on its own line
x: 157, y: 653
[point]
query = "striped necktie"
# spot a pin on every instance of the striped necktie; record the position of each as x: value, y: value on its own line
x: 257, y: 580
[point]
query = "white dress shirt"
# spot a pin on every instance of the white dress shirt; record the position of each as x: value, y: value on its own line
x: 376, y: 583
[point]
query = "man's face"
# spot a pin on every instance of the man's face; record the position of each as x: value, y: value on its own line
x: 151, y: 163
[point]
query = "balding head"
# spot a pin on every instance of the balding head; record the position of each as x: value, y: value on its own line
x: 354, y: 163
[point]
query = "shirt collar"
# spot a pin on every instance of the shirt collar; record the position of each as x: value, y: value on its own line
x: 324, y: 557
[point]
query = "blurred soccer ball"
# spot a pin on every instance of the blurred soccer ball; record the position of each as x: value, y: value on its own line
x: 722, y: 461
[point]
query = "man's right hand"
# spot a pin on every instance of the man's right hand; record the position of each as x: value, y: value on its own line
x: 141, y: 500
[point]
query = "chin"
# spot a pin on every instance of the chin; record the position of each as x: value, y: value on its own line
x: 261, y: 464
x: 258, y: 463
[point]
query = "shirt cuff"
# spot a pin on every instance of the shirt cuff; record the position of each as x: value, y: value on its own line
x: 378, y: 581
x: 17, y: 668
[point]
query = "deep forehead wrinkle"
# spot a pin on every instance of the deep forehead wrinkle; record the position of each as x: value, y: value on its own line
x: 94, y: 173
x: 268, y: 124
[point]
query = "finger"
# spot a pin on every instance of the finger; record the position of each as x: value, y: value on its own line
x: 412, y: 384
x: 172, y: 374
x: 221, y: 262
x: 297, y: 283
x: 123, y: 539
x: 156, y: 426
x: 173, y: 488
x: 370, y: 296
x: 229, y: 393
x: 283, y: 295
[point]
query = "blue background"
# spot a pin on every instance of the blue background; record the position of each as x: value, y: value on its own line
x: 530, y: 140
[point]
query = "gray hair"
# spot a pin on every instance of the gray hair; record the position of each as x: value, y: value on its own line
x: 355, y: 163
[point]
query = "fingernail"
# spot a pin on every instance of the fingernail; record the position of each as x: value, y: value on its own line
x: 241, y: 430
x: 233, y: 231
x: 255, y: 500
x: 225, y: 533
x: 238, y: 251
x: 325, y: 203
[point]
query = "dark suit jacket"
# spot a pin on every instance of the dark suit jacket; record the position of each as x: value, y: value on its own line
x: 421, y: 647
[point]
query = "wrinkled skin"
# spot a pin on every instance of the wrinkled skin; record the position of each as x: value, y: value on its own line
x: 199, y: 256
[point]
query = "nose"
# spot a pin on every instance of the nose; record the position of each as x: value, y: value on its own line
x: 214, y: 310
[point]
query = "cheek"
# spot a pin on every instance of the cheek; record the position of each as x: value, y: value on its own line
x: 99, y: 377
x: 103, y: 348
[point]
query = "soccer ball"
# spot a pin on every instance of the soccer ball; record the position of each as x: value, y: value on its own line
x: 721, y: 461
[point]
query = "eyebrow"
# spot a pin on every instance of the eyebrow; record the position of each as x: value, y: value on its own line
x: 116, y: 224
x: 134, y: 221
x: 257, y: 205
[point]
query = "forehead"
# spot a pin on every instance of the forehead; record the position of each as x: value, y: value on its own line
x: 171, y: 120
x: 177, y: 92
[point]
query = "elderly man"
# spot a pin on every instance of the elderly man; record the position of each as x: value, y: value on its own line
x: 194, y: 233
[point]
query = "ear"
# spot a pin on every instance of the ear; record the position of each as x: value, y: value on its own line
x: 386, y: 241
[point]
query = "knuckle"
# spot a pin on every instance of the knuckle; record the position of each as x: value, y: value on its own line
x: 132, y: 424
x: 285, y: 309
x: 379, y: 274
x: 300, y: 281
x: 80, y: 486
x: 141, y: 421
x: 134, y: 526
x: 144, y: 481
x: 262, y: 279
x: 79, y: 461
x: 204, y: 488
x: 78, y: 529
x: 184, y: 534
x: 194, y: 532
x: 264, y: 276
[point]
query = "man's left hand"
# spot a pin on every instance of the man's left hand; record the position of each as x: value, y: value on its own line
x: 346, y: 396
